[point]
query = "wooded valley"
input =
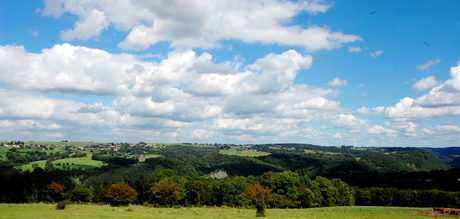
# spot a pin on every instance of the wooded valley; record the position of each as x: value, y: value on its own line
x: 281, y: 175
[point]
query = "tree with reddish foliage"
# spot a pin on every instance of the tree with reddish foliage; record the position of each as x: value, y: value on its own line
x: 119, y: 194
x: 56, y: 191
x: 259, y: 196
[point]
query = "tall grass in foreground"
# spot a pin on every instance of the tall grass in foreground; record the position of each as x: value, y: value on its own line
x: 106, y: 211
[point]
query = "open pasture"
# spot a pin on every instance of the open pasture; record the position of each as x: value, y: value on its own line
x: 105, y: 211
x: 83, y: 162
x: 244, y: 153
x: 3, y: 152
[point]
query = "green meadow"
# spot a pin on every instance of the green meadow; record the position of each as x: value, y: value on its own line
x: 244, y: 153
x: 186, y: 145
x: 83, y: 162
x: 3, y: 152
x: 106, y: 211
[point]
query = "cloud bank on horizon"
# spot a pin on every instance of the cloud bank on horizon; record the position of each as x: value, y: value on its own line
x: 264, y: 71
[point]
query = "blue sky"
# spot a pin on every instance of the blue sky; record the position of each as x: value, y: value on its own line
x: 363, y: 73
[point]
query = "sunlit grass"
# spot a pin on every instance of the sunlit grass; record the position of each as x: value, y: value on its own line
x: 3, y: 152
x: 83, y: 162
x: 105, y: 211
x: 244, y: 153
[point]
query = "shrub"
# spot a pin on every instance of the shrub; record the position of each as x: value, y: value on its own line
x: 80, y: 195
x: 61, y: 205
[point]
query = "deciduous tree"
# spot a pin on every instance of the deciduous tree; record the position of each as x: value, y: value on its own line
x: 284, y: 187
x: 119, y: 194
x: 165, y: 192
x: 56, y: 191
x: 80, y: 195
x: 259, y: 196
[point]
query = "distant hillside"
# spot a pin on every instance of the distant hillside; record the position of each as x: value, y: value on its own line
x: 450, y: 155
x: 403, y: 168
x: 399, y: 167
x: 327, y: 158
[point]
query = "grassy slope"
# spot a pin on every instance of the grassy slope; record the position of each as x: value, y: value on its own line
x: 244, y: 153
x: 97, y: 211
x: 3, y: 152
x: 83, y: 162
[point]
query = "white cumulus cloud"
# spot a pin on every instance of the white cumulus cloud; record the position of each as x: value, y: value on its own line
x: 92, y: 25
x: 184, y: 91
x: 371, y: 111
x: 442, y: 130
x: 425, y: 84
x: 67, y: 69
x: 198, y: 23
x: 441, y: 100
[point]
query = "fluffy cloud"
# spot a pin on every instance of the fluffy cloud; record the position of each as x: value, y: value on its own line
x: 67, y: 69
x: 404, y: 127
x: 92, y: 25
x: 441, y: 100
x: 370, y: 111
x: 43, y: 108
x: 425, y: 83
x: 442, y: 130
x: 337, y: 82
x: 184, y: 91
x: 348, y: 121
x: 202, y: 134
x: 28, y: 124
x: 379, y: 130
x: 453, y: 84
x: 186, y: 95
x: 198, y: 23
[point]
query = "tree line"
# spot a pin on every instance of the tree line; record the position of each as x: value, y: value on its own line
x: 166, y: 188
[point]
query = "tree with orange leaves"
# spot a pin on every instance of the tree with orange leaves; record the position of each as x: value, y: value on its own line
x: 119, y: 194
x: 259, y: 196
x: 56, y: 191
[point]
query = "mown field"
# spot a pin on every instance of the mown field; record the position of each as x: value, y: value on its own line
x: 105, y: 211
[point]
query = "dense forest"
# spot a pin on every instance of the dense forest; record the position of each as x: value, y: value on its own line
x: 289, y: 175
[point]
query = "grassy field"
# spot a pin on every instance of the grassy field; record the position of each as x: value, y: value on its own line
x: 105, y: 211
x: 244, y: 153
x: 150, y: 156
x: 186, y: 145
x: 83, y: 162
x: 320, y: 152
x: 3, y: 153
